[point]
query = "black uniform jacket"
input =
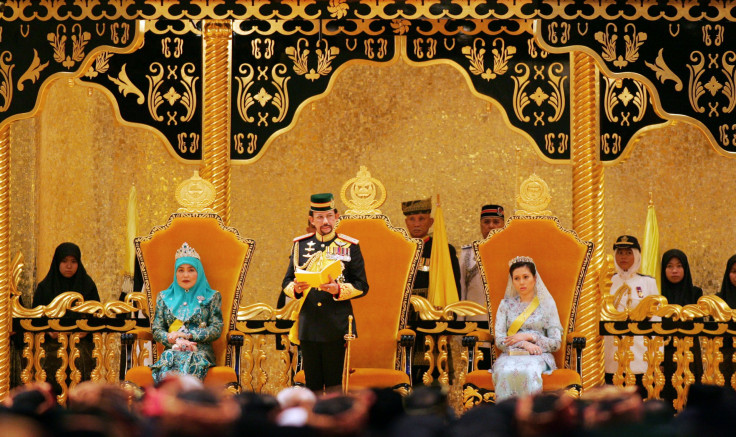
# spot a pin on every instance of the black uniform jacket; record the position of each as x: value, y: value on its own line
x: 324, y: 317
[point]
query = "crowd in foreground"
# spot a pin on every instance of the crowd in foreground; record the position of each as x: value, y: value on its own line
x: 181, y: 406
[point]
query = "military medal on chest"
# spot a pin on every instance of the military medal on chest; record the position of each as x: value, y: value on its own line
x: 337, y: 252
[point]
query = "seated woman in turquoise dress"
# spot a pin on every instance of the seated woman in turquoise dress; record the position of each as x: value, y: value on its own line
x: 187, y: 320
x: 527, y: 330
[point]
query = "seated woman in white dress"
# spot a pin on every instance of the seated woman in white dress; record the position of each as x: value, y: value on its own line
x: 527, y: 331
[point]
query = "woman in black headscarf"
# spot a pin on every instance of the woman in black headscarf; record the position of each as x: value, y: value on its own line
x: 66, y: 273
x: 678, y: 288
x: 728, y: 294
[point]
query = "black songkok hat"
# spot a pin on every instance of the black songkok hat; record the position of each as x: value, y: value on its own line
x: 491, y: 211
x: 322, y: 202
x: 626, y: 242
x: 422, y: 206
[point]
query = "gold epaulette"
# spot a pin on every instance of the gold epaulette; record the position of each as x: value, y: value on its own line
x: 302, y: 237
x: 348, y: 239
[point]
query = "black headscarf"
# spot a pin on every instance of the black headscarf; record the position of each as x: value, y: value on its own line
x: 684, y: 292
x: 55, y: 283
x: 728, y: 290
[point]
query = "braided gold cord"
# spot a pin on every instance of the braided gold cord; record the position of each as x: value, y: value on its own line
x: 587, y: 215
x: 216, y: 140
x: 5, y: 319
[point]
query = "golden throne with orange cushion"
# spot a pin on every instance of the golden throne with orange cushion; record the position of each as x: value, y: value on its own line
x: 225, y: 256
x: 562, y: 260
x: 379, y: 356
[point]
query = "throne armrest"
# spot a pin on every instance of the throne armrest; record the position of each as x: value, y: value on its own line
x: 471, y: 340
x: 578, y: 342
x: 235, y: 338
x: 406, y: 338
x: 136, y: 334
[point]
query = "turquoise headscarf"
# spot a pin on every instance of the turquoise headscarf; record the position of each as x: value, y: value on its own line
x: 184, y: 304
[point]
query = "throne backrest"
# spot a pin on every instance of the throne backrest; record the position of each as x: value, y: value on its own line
x: 560, y: 256
x: 225, y: 256
x: 391, y: 260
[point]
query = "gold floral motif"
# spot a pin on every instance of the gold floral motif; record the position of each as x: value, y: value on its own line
x: 155, y: 98
x: 126, y: 86
x: 363, y: 192
x: 245, y: 99
x: 299, y: 55
x: 338, y: 8
x: 521, y: 97
x: 712, y: 359
x: 189, y: 97
x: 501, y: 57
x: 663, y: 72
x: 557, y: 96
x: 6, y: 84
x: 695, y: 86
x: 632, y: 39
x: 101, y: 65
x: 33, y: 72
x: 281, y: 98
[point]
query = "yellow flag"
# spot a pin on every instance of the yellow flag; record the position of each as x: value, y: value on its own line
x: 650, y: 260
x: 442, y: 289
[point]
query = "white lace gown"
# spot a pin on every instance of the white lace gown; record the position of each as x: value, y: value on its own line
x: 518, y: 375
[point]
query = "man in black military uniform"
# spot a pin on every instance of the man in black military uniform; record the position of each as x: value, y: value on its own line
x: 324, y: 311
x: 418, y: 222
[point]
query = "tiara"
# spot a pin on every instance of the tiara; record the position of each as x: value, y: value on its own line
x: 186, y: 251
x: 520, y: 259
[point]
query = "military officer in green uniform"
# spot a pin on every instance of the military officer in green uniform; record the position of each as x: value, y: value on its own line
x: 324, y: 310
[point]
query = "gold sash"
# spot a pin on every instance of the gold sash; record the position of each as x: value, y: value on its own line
x: 619, y: 294
x: 516, y: 324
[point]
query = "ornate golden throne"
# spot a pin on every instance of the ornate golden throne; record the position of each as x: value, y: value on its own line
x: 225, y: 257
x: 562, y: 260
x: 379, y: 356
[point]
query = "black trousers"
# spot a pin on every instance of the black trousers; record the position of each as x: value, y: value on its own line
x: 323, y: 363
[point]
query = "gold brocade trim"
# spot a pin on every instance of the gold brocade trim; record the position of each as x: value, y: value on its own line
x: 363, y: 192
x: 588, y: 209
x: 18, y: 10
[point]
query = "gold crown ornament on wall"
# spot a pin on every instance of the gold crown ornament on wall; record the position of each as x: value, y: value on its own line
x: 195, y: 195
x: 534, y: 197
x: 363, y: 194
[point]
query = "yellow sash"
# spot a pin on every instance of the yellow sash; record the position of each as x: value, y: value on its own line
x: 516, y: 324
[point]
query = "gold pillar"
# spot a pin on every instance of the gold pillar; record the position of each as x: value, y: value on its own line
x: 5, y: 319
x: 587, y: 209
x: 216, y: 119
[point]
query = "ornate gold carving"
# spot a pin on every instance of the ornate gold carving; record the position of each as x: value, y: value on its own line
x: 266, y: 311
x: 195, y: 195
x: 38, y: 355
x: 363, y: 192
x: 63, y: 339
x: 533, y: 197
x: 58, y: 40
x: 100, y: 66
x: 262, y: 376
x: 246, y: 373
x: 6, y: 84
x: 71, y: 301
x: 556, y: 99
x: 27, y: 374
x: 442, y: 363
x: 657, y: 305
x: 429, y: 358
x: 623, y: 356
x: 695, y: 87
x: 653, y: 378
x: 640, y: 100
x: 283, y: 378
x: 216, y: 139
x: 501, y: 57
x: 712, y: 359
x: 299, y: 55
x: 338, y: 8
x: 427, y: 311
x: 683, y: 378
x: 473, y: 397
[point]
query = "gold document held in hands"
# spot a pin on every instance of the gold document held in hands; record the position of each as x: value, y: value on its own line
x: 315, y: 279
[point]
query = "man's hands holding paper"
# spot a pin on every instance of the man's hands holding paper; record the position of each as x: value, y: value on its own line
x: 331, y: 286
